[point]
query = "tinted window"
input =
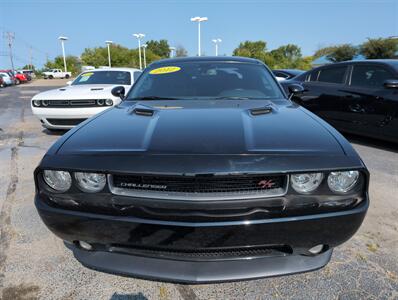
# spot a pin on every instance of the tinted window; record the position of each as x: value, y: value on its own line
x: 196, y: 80
x: 280, y: 74
x: 370, y: 76
x: 313, y: 76
x: 332, y: 75
x: 136, y: 75
x: 103, y: 77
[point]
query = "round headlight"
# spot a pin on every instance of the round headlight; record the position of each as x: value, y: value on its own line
x: 60, y: 181
x: 100, y: 102
x: 44, y: 102
x: 109, y: 102
x: 306, y: 182
x: 36, y: 102
x: 90, y: 182
x: 342, y: 182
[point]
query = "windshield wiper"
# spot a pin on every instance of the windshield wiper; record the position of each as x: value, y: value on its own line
x: 154, y: 98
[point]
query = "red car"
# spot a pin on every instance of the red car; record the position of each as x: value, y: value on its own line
x: 18, y: 78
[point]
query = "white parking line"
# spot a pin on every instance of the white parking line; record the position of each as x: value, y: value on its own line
x: 4, y: 95
x: 30, y: 92
x: 25, y: 97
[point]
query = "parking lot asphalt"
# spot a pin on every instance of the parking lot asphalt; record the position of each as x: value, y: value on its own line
x: 34, y: 264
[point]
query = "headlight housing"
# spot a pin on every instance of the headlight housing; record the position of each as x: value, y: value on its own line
x: 60, y: 181
x: 342, y: 182
x: 109, y: 102
x: 306, y: 182
x: 36, y: 103
x: 90, y: 182
x: 100, y: 102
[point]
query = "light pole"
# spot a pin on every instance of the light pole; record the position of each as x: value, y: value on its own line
x: 62, y: 39
x: 108, y: 44
x: 144, y: 48
x: 172, y: 53
x: 199, y: 20
x: 216, y: 41
x: 139, y: 37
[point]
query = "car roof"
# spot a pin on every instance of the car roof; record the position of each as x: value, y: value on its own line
x: 391, y: 62
x: 113, y: 69
x: 206, y: 59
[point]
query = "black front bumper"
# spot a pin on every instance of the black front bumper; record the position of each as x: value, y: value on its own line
x: 178, y: 251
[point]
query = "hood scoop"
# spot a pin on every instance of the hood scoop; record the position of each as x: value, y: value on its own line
x: 63, y: 89
x: 261, y: 110
x: 96, y: 89
x: 142, y: 110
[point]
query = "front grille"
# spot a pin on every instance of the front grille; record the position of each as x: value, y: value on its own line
x: 72, y: 103
x: 205, y: 254
x: 199, y: 187
x: 65, y: 122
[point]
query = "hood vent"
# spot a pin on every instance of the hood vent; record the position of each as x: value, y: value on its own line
x: 96, y: 89
x: 63, y: 89
x: 147, y: 112
x: 261, y: 111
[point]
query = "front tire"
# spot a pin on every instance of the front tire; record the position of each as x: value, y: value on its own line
x: 51, y: 77
x: 67, y: 76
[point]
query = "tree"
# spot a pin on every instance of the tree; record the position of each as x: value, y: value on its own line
x: 289, y: 52
x: 160, y: 48
x: 181, y: 51
x: 120, y: 56
x: 73, y: 64
x: 251, y: 49
x: 342, y: 53
x: 28, y: 67
x: 379, y: 48
x: 324, y: 51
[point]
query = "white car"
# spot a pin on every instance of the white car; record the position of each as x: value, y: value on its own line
x: 56, y: 73
x: 89, y: 94
x: 7, y: 80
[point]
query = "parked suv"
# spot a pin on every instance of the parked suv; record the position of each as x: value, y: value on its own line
x: 360, y: 97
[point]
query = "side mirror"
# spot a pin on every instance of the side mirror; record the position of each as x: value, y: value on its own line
x: 295, y: 88
x: 69, y: 82
x: 118, y: 91
x: 391, y: 84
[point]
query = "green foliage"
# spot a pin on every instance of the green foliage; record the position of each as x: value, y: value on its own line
x: 28, y: 67
x: 342, y: 53
x: 181, y: 51
x: 160, y: 48
x: 324, y: 51
x: 285, y: 57
x: 73, y: 64
x: 120, y: 56
x: 379, y: 48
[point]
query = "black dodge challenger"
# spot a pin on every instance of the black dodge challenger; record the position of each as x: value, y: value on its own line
x: 205, y: 172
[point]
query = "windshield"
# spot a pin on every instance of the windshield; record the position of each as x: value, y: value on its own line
x: 103, y: 77
x: 204, y: 80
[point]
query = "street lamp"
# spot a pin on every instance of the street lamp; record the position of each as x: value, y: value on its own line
x: 216, y: 41
x: 172, y: 53
x: 144, y: 48
x: 139, y: 37
x: 199, y: 20
x: 63, y: 39
x: 108, y: 44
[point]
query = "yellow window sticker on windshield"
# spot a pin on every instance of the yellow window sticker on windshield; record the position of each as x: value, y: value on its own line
x: 87, y: 74
x: 165, y: 70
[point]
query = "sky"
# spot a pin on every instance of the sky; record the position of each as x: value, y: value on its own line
x: 88, y: 23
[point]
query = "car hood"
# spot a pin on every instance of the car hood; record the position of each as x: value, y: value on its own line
x: 203, y: 127
x: 88, y: 91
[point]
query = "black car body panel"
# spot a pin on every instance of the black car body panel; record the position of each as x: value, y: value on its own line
x: 187, y: 196
x: 358, y: 102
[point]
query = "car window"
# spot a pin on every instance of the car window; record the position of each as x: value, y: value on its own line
x: 103, y: 77
x: 332, y: 75
x: 370, y: 76
x: 136, y: 75
x: 280, y: 74
x: 313, y: 76
x: 196, y: 80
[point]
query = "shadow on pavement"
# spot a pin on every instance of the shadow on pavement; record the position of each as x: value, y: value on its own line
x: 138, y: 296
x: 370, y: 142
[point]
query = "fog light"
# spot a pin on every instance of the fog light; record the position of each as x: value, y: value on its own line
x: 317, y: 249
x: 85, y: 246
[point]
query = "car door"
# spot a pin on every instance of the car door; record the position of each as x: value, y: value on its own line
x: 371, y: 106
x: 324, y: 93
